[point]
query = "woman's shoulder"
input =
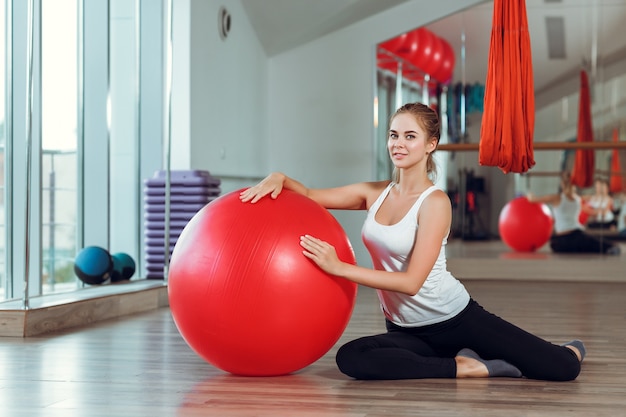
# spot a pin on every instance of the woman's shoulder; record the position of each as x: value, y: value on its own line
x: 436, y: 199
x: 377, y: 187
x: 371, y: 190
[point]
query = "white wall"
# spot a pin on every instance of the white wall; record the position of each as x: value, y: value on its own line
x: 321, y: 103
x: 307, y: 112
x: 220, y: 94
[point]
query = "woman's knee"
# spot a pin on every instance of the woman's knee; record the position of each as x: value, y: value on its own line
x: 568, y: 372
x: 570, y: 367
x: 347, y: 360
x: 565, y: 368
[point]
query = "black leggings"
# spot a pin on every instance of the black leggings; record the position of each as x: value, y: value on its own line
x: 429, y: 351
x: 578, y: 241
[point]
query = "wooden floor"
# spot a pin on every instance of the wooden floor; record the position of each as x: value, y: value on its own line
x: 492, y: 259
x: 140, y: 366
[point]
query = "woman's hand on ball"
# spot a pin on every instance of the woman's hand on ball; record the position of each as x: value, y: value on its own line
x: 272, y: 184
x: 322, y: 253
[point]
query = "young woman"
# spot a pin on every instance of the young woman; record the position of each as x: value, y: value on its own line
x: 569, y: 235
x: 435, y: 329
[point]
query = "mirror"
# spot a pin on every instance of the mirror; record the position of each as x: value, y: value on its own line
x: 445, y: 65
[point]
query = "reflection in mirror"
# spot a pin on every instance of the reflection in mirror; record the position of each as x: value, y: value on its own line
x: 445, y: 63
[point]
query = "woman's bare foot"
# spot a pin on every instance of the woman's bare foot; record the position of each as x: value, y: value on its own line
x: 470, y: 368
x: 493, y: 367
x: 577, y: 347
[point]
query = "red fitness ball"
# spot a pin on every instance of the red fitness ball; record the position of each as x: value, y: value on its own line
x: 525, y: 226
x: 584, y: 215
x: 423, y: 55
x: 446, y: 69
x: 243, y: 295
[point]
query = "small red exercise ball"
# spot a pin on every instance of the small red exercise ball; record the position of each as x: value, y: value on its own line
x: 243, y: 295
x: 584, y: 214
x: 525, y: 226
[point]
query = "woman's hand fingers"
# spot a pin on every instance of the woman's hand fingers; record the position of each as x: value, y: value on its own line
x: 312, y: 244
x: 320, y: 252
x: 257, y: 192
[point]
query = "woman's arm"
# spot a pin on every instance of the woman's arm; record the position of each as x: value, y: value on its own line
x: 553, y: 199
x: 434, y: 224
x: 358, y: 196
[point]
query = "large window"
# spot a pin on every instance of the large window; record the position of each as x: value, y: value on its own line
x: 92, y: 62
x: 59, y: 111
x: 3, y: 99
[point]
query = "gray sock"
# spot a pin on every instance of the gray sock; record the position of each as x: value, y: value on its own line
x: 496, y: 367
x: 578, y: 344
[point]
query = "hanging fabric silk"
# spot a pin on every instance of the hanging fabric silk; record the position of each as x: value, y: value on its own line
x: 616, y: 184
x: 582, y: 172
x: 506, y: 134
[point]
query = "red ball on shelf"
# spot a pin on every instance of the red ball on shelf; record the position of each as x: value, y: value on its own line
x: 525, y: 226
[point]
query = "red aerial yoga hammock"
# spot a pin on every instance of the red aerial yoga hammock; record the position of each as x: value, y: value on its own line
x: 582, y: 172
x: 616, y: 184
x: 506, y: 133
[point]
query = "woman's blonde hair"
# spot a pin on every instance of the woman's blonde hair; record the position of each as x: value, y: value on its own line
x: 428, y: 120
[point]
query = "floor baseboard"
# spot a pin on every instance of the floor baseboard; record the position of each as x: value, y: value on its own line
x: 55, y: 312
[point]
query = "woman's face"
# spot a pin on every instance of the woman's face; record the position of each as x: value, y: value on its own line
x: 598, y: 187
x: 407, y: 142
x: 567, y: 186
x: 602, y: 188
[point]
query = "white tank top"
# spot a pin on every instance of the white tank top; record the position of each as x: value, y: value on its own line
x: 603, y: 204
x: 566, y: 214
x: 441, y: 297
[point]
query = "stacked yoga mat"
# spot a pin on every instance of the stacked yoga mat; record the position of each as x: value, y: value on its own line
x: 189, y: 192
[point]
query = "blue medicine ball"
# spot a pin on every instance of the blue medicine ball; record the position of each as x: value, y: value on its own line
x: 93, y: 265
x: 123, y: 267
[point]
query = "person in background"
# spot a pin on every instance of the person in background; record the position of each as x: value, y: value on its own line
x: 435, y: 329
x: 569, y: 234
x: 600, y: 205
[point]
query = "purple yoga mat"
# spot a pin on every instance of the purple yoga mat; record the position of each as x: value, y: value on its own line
x: 178, y: 207
x: 154, y: 275
x: 183, y: 178
x: 160, y: 199
x: 160, y: 225
x: 157, y: 250
x: 185, y: 215
x: 181, y: 190
x: 159, y: 234
x: 155, y: 259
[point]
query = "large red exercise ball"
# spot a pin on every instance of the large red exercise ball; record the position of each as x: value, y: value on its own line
x: 584, y: 212
x: 243, y: 295
x: 403, y: 45
x: 431, y: 66
x: 408, y: 45
x: 393, y: 44
x: 425, y: 49
x: 525, y: 226
x: 446, y: 69
x: 386, y: 62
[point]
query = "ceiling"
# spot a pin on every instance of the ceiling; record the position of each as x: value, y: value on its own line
x: 285, y: 24
x: 582, y: 32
